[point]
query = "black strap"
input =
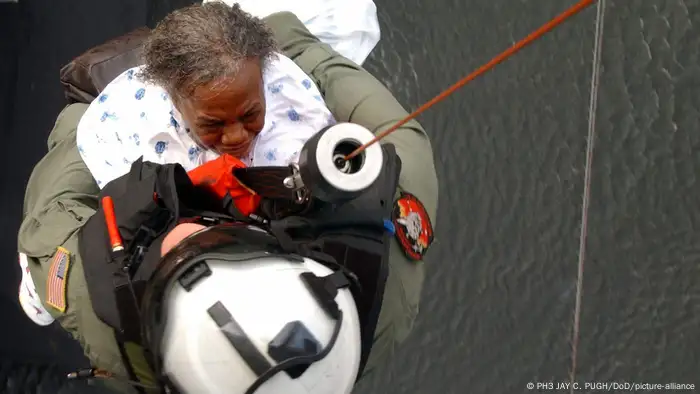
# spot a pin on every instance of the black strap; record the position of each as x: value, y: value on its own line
x: 231, y: 208
x: 238, y: 338
x: 268, y: 182
x: 310, y: 249
x: 280, y: 230
x: 135, y: 176
x: 151, y: 229
x: 325, y: 288
x: 276, y: 209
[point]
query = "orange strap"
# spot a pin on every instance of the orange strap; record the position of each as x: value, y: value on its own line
x: 217, y: 176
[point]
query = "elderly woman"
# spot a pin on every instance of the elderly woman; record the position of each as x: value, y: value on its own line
x: 61, y: 195
x: 212, y: 84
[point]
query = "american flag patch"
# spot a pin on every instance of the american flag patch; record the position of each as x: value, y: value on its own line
x: 56, y: 281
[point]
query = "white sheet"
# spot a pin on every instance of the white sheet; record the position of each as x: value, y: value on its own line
x: 349, y: 26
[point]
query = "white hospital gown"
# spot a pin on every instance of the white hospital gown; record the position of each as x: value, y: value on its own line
x: 132, y: 119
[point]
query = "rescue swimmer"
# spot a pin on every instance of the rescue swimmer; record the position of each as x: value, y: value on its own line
x: 130, y: 308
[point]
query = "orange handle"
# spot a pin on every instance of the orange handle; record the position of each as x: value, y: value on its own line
x: 110, y: 218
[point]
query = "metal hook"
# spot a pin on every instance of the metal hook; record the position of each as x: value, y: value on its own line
x: 294, y: 182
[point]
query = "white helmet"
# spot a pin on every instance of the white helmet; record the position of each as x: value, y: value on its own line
x: 235, y: 323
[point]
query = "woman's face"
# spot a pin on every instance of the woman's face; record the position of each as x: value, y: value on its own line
x: 227, y: 118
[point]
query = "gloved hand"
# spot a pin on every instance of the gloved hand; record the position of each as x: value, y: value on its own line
x: 217, y: 176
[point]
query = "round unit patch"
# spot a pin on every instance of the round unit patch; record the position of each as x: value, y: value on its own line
x: 413, y: 227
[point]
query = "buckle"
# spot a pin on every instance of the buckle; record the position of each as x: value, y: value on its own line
x: 294, y: 182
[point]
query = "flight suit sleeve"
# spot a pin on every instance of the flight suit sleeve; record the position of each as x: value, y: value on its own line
x: 61, y: 196
x: 354, y: 95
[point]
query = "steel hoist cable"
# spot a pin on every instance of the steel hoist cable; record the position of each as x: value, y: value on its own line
x: 593, y: 105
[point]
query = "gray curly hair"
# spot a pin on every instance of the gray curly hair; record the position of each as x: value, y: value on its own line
x: 203, y: 43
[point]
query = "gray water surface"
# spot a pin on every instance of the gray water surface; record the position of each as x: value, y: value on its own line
x: 498, y: 305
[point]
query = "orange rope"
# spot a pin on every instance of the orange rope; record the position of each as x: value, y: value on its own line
x: 480, y: 71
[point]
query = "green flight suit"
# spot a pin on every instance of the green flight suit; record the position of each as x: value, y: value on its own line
x: 61, y: 196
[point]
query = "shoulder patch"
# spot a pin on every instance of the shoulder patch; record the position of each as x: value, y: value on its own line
x: 57, y: 279
x: 414, y: 230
